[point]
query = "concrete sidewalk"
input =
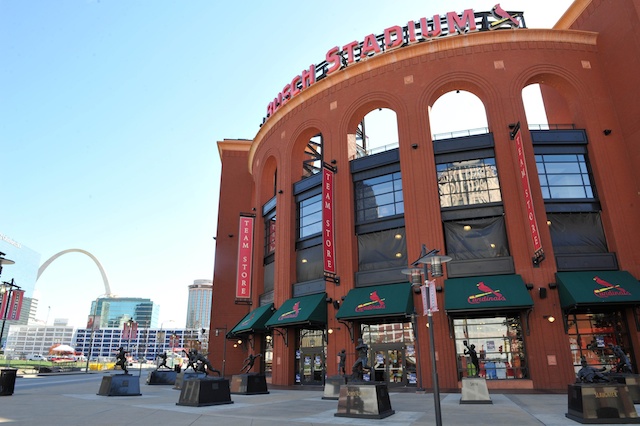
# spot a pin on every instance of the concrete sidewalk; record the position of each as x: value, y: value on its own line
x: 69, y: 400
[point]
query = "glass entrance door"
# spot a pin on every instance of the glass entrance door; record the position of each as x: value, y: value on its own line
x: 311, y: 366
x: 389, y: 365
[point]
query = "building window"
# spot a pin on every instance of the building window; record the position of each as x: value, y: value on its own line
x: 592, y: 335
x: 468, y: 182
x: 310, y: 216
x: 577, y: 233
x: 564, y: 176
x: 476, y: 238
x: 498, y: 345
x: 270, y: 235
x: 379, y: 197
x: 309, y: 264
x: 382, y: 249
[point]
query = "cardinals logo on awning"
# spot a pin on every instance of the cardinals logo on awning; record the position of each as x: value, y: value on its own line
x: 607, y: 289
x: 248, y: 320
x: 487, y: 295
x: 293, y: 313
x: 375, y: 303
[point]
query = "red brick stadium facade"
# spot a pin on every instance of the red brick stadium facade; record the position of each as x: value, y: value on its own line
x: 539, y: 223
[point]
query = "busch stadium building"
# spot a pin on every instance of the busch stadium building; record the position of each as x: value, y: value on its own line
x: 328, y: 241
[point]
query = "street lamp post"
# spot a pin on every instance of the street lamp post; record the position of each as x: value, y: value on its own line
x: 224, y: 346
x: 426, y: 259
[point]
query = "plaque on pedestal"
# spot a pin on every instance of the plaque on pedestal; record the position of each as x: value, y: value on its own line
x: 182, y: 376
x: 120, y: 385
x: 475, y: 391
x: 362, y: 400
x: 249, y: 384
x: 601, y: 403
x: 208, y: 391
x: 332, y: 387
x: 162, y: 377
x: 632, y: 381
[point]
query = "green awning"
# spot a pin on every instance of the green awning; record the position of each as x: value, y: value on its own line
x: 377, y: 301
x: 597, y: 288
x: 253, y: 322
x: 486, y: 293
x: 305, y: 310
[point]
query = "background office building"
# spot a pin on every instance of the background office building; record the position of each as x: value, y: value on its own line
x: 24, y: 340
x: 540, y: 221
x: 107, y: 312
x: 199, y: 304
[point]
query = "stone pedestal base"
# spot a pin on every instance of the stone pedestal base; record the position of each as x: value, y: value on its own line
x: 182, y: 376
x: 367, y: 401
x: 249, y: 384
x: 120, y: 385
x: 332, y: 387
x: 475, y: 391
x: 162, y: 377
x: 601, y: 403
x: 632, y: 381
x: 201, y: 392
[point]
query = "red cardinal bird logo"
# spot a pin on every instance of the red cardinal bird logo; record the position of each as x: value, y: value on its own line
x: 485, y: 288
x: 375, y: 298
x: 503, y: 17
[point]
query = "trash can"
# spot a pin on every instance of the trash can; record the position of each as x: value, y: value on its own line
x: 7, y: 381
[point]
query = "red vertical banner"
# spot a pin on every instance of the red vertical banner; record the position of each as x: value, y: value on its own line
x: 538, y: 255
x: 328, y: 239
x: 16, y: 304
x: 3, y: 304
x: 134, y: 330
x: 245, y: 257
x: 126, y: 331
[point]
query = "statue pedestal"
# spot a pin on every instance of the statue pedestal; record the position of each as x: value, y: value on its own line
x: 201, y: 392
x: 120, y: 385
x: 632, y: 381
x: 249, y: 384
x: 600, y: 403
x: 162, y: 377
x: 332, y: 387
x: 364, y: 400
x: 182, y: 376
x: 475, y: 391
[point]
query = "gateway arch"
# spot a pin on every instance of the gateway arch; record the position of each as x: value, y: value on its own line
x: 105, y: 280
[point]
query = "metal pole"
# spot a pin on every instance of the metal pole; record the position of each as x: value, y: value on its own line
x: 436, y: 387
x: 224, y: 350
x: 414, y: 318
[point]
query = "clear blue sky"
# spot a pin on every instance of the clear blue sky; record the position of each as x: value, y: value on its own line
x: 110, y: 111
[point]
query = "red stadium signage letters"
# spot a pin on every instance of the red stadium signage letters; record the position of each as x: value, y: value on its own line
x: 452, y: 23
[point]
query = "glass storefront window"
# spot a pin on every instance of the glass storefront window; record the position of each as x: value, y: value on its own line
x: 592, y: 335
x: 392, y: 353
x: 498, y: 343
